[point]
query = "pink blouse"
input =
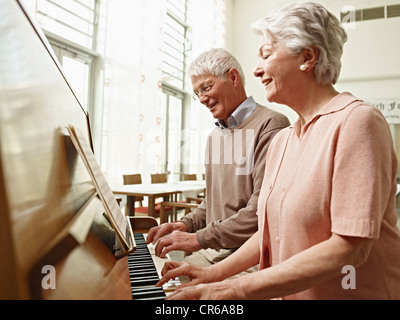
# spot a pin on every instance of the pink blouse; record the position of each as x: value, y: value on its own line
x: 337, y: 174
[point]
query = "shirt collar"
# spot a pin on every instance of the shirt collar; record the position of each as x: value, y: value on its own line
x: 240, y: 114
x: 339, y: 102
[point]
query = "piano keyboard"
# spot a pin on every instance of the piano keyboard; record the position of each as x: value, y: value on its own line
x: 143, y: 273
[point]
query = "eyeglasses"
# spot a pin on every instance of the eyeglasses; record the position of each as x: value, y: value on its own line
x: 206, y: 88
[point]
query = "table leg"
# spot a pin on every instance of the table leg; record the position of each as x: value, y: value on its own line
x: 151, y: 211
x: 130, y: 203
x: 162, y: 215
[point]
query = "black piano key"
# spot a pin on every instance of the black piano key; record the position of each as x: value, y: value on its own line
x: 143, y: 273
x: 139, y: 268
x: 139, y: 263
x: 148, y: 293
x: 151, y: 277
x: 134, y: 257
x: 144, y: 281
x: 140, y: 251
x: 138, y: 272
x: 144, y: 265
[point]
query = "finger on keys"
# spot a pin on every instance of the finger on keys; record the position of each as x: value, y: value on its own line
x: 168, y: 276
x: 160, y: 244
x: 160, y: 232
x: 170, y: 265
x: 167, y: 249
x: 185, y: 293
x: 171, y: 270
x: 151, y: 235
x: 176, y: 295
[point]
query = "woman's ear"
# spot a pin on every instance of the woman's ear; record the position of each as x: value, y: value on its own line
x: 310, y: 57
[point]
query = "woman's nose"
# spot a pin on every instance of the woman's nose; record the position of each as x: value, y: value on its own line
x: 258, y: 71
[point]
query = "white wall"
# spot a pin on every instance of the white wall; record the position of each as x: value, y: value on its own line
x: 371, y: 64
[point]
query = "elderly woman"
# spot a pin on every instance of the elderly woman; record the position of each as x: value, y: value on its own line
x: 327, y: 222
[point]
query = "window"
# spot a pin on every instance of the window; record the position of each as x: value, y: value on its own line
x: 172, y: 134
x: 77, y: 69
x: 74, y: 20
x: 176, y: 44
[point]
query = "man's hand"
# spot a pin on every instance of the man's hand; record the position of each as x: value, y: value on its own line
x: 164, y: 229
x: 177, y: 240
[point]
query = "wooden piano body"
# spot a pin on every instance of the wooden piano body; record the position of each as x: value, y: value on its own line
x: 46, y: 193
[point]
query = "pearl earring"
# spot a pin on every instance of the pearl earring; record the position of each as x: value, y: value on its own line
x: 303, y: 67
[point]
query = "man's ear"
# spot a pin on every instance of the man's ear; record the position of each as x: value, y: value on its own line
x: 310, y: 57
x: 233, y: 76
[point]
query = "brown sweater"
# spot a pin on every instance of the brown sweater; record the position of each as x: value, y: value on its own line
x: 227, y: 217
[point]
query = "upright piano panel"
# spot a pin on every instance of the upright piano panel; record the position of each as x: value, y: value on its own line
x: 43, y: 182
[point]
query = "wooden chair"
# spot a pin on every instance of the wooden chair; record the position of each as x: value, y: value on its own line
x: 191, y: 204
x: 189, y: 177
x: 134, y: 179
x: 159, y: 178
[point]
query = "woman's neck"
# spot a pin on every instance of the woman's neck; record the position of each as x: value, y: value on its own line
x: 313, y: 101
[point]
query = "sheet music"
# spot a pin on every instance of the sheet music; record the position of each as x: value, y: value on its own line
x: 118, y: 220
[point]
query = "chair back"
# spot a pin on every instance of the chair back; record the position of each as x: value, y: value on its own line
x: 132, y: 178
x: 188, y: 177
x: 159, y: 178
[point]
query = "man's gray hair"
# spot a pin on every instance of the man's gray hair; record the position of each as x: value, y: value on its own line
x: 303, y: 25
x: 217, y: 62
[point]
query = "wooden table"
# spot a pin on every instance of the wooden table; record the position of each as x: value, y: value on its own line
x: 157, y: 190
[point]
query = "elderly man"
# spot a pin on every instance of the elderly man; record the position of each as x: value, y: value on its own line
x: 234, y: 165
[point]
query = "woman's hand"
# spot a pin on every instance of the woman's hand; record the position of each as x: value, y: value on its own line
x: 225, y: 290
x: 173, y: 269
x: 202, y: 285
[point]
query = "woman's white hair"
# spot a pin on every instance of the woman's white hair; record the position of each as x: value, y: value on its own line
x: 303, y: 25
x: 217, y: 62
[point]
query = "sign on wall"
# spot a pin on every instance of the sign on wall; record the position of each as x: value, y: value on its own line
x: 390, y: 109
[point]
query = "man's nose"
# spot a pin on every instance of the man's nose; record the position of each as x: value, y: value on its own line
x: 203, y: 98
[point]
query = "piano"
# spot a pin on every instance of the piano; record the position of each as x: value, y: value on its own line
x: 55, y: 241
